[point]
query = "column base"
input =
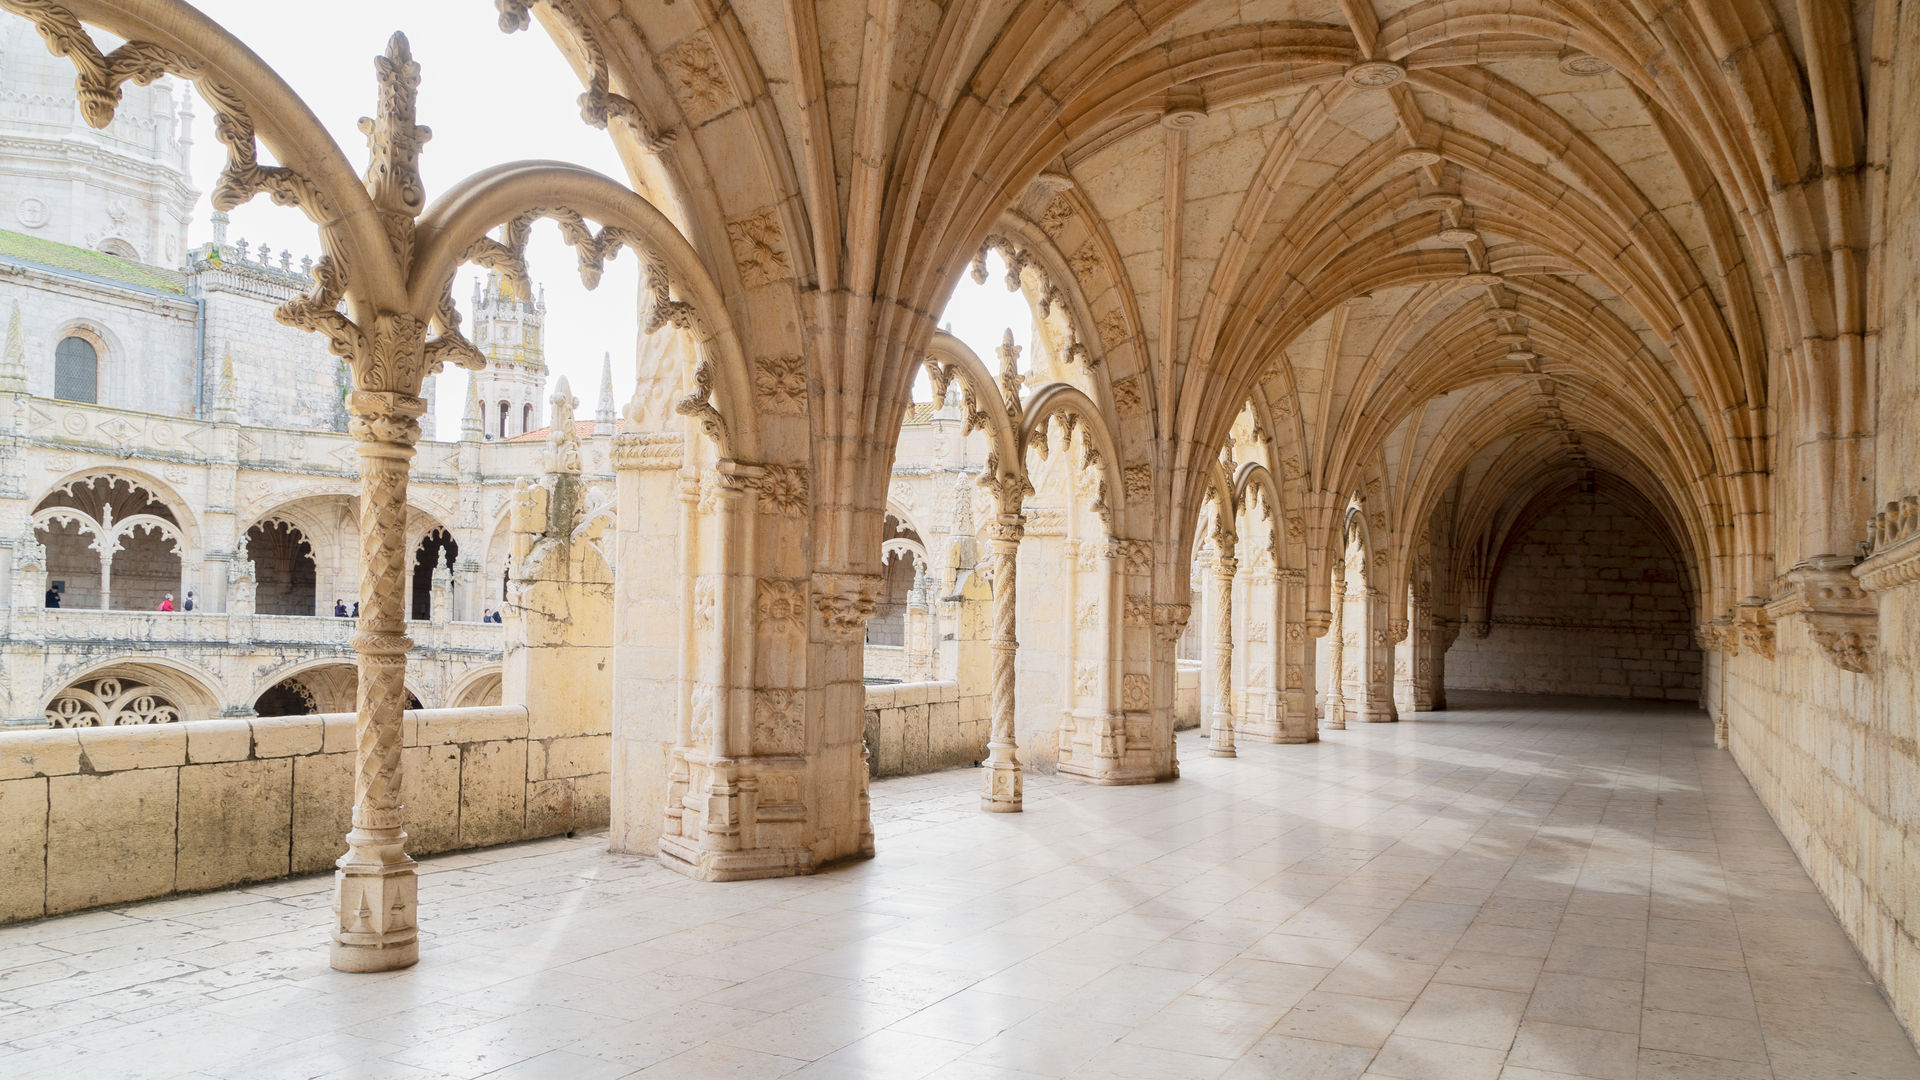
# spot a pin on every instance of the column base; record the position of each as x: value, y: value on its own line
x: 375, y: 904
x: 1001, y: 785
x: 680, y: 856
x: 1336, y: 718
x: 1377, y: 714
x: 1220, y: 739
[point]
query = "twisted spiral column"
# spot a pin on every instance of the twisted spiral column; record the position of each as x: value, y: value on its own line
x: 1220, y: 738
x: 1000, y: 778
x: 375, y: 889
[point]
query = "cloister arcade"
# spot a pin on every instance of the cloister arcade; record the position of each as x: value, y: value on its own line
x: 1345, y: 323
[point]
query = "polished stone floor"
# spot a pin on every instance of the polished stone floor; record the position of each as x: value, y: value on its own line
x: 1519, y: 889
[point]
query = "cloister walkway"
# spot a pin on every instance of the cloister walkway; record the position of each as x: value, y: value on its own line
x: 1520, y: 888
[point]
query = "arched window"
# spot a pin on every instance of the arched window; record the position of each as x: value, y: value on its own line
x: 76, y: 371
x: 503, y: 419
x: 526, y: 419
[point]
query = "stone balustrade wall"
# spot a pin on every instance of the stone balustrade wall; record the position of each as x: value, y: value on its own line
x: 94, y: 816
x: 1186, y: 695
x: 924, y: 726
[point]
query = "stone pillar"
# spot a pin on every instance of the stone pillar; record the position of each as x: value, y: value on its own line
x: 106, y: 579
x: 921, y: 648
x: 1220, y: 738
x: 375, y: 890
x: 1295, y: 678
x: 440, y: 596
x: 1376, y: 661
x: 1000, y: 788
x: 1336, y: 719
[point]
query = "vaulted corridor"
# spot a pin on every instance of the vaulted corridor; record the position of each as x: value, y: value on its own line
x: 1518, y: 888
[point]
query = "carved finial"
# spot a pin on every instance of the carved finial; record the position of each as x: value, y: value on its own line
x: 473, y: 424
x: 563, y: 437
x: 220, y: 222
x: 226, y: 408
x: 13, y: 363
x: 1010, y: 380
x: 604, y: 414
x: 393, y: 167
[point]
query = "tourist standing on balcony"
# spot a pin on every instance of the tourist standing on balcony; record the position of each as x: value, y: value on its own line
x: 53, y: 594
x: 187, y: 605
x: 339, y: 608
x: 167, y: 604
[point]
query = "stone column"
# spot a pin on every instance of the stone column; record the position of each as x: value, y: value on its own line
x: 106, y: 576
x: 375, y: 890
x: 1376, y: 661
x: 1220, y: 738
x: 1000, y: 790
x: 1337, y: 658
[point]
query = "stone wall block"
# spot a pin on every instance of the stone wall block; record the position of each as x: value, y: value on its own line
x: 470, y: 726
x: 110, y: 838
x: 23, y: 848
x: 235, y: 823
x: 432, y: 795
x: 150, y: 746
x: 916, y: 753
x: 225, y: 739
x: 323, y: 810
x: 54, y: 752
x: 585, y: 755
x: 337, y: 737
x: 493, y: 792
x: 290, y: 736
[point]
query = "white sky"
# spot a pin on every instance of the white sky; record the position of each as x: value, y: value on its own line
x: 489, y: 97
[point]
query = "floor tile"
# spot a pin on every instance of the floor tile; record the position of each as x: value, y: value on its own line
x: 1517, y: 889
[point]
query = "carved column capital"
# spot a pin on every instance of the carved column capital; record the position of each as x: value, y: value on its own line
x: 385, y: 417
x: 1170, y: 621
x: 1755, y: 630
x: 845, y: 602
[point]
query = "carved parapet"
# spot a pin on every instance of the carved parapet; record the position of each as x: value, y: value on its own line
x: 1840, y: 615
x: 1895, y: 541
x: 653, y: 450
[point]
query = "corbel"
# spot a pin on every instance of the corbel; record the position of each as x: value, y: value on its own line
x: 1753, y: 628
x: 1840, y: 615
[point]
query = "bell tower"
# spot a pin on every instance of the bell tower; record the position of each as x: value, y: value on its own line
x: 509, y: 330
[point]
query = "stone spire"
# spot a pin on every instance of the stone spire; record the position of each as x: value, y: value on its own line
x: 13, y: 362
x: 563, y: 438
x: 473, y: 425
x: 603, y: 416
